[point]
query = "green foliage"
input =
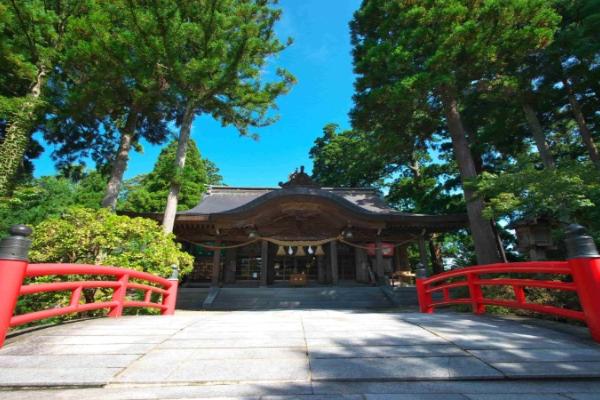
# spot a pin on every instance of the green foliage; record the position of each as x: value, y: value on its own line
x: 211, y: 54
x: 428, y: 188
x: 561, y: 193
x: 31, y: 42
x: 407, y: 53
x: 50, y: 196
x: 148, y: 193
x: 346, y: 158
x: 570, y: 193
x: 100, y: 237
x: 418, y: 61
x: 101, y: 84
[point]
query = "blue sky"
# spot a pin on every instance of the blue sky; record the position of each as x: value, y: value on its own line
x: 321, y: 61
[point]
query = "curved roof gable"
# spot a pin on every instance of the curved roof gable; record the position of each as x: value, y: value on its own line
x: 230, y: 200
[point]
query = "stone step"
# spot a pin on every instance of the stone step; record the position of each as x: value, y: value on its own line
x: 301, y: 298
x: 298, y: 298
x: 191, y: 298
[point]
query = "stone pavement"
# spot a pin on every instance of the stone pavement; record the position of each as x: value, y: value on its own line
x: 300, y: 354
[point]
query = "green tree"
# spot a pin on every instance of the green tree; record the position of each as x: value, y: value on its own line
x: 570, y: 70
x: 213, y: 53
x: 420, y: 57
x: 50, y: 196
x: 148, y: 193
x: 105, y: 97
x: 346, y: 158
x: 569, y: 193
x: 31, y: 43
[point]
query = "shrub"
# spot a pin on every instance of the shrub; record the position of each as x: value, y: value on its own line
x: 99, y: 237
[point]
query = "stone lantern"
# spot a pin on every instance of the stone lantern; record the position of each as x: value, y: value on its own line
x: 534, y: 237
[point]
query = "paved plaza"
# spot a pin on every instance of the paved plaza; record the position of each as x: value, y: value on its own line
x: 301, y: 354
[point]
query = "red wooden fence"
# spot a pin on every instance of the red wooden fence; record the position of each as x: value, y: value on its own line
x: 579, y: 275
x: 14, y: 268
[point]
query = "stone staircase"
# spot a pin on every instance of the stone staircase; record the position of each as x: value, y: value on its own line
x: 325, y: 297
x: 191, y: 298
x: 401, y: 296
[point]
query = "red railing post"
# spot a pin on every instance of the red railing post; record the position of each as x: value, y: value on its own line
x: 170, y: 299
x: 13, y: 264
x: 423, y: 296
x: 119, y: 296
x: 475, y: 293
x: 584, y: 262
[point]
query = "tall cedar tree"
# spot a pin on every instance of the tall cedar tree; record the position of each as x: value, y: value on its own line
x: 421, y: 55
x: 214, y: 53
x: 31, y: 43
x: 570, y: 65
x: 109, y: 92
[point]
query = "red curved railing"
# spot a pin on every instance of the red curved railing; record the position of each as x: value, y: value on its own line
x: 119, y: 279
x: 584, y: 280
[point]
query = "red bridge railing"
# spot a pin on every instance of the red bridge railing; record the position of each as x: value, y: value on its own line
x: 14, y: 267
x: 579, y: 274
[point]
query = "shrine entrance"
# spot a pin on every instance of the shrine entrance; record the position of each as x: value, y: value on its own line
x: 286, y: 266
x: 302, y: 233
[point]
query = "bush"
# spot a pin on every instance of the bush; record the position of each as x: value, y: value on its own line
x: 99, y: 237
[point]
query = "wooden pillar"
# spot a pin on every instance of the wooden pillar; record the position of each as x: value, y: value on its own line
x: 216, y: 270
x: 402, y: 257
x: 230, y: 265
x: 423, y: 252
x: 379, y: 260
x: 362, y: 272
x: 321, y: 273
x: 264, y: 263
x: 334, y: 262
x: 271, y: 254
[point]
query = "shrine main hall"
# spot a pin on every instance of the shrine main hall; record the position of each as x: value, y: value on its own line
x: 302, y: 233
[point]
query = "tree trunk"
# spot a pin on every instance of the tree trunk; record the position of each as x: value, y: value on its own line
x: 481, y: 229
x: 120, y: 162
x: 435, y: 252
x: 415, y: 167
x: 184, y: 137
x: 586, y: 135
x: 538, y: 135
x: 18, y: 134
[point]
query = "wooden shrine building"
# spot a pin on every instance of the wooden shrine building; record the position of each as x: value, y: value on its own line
x: 301, y: 231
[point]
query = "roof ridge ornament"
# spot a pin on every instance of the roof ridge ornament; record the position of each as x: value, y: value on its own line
x: 299, y: 179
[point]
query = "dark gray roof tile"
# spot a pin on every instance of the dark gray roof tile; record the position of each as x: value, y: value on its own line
x: 220, y: 199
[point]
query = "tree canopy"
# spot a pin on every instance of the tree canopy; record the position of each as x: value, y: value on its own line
x: 148, y: 193
x: 214, y: 54
x: 417, y: 62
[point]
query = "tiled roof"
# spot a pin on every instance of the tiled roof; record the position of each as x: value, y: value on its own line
x: 224, y: 199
